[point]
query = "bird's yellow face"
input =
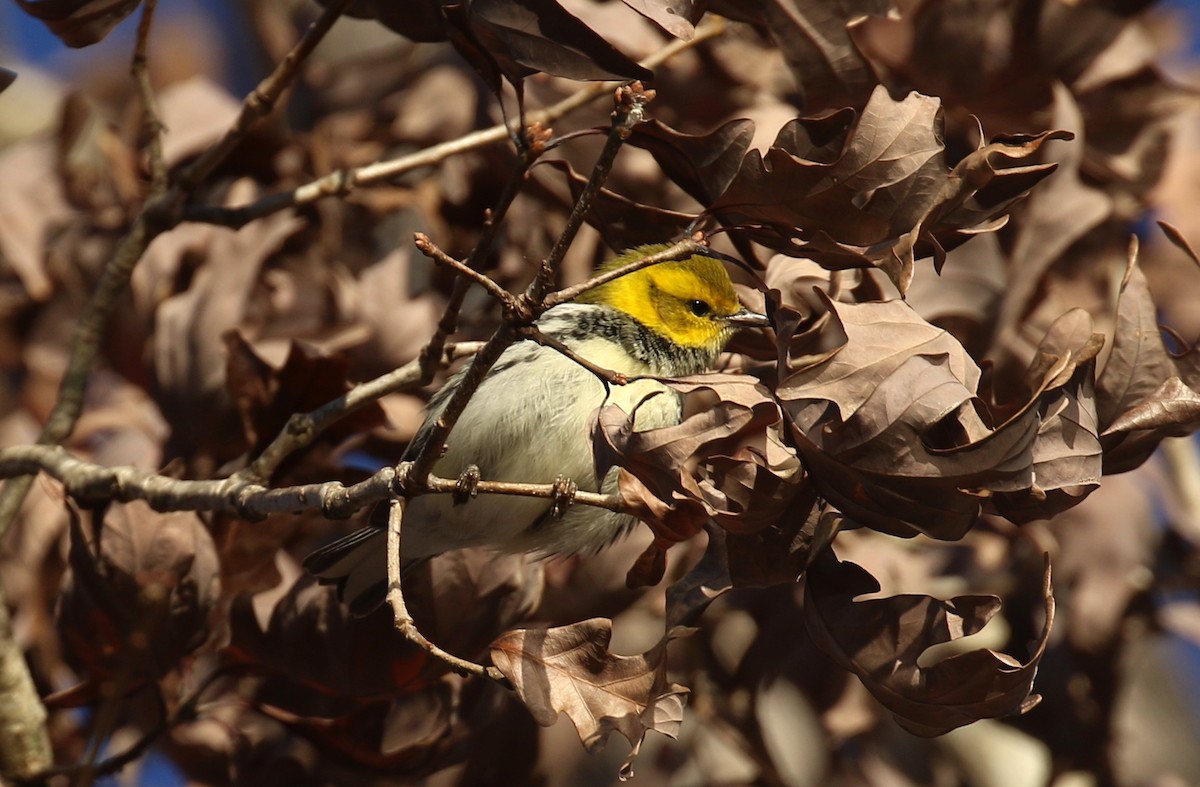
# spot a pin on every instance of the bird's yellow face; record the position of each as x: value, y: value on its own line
x: 690, y: 302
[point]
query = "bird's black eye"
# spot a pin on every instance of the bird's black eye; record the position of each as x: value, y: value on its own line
x: 699, y: 308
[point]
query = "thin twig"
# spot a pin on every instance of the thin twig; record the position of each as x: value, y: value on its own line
x: 163, y: 210
x: 631, y: 103
x: 433, y: 252
x: 481, y: 364
x: 609, y: 376
x: 612, y: 502
x: 404, y: 620
x: 261, y: 101
x: 531, y: 333
x: 676, y: 251
x: 448, y: 324
x: 343, y: 182
x: 151, y: 120
x: 303, y: 428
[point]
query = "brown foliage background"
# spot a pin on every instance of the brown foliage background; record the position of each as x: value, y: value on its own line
x: 846, y: 574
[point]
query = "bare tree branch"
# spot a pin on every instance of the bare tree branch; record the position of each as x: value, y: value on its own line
x: 433, y: 252
x: 244, y: 494
x: 90, y: 483
x: 303, y: 428
x: 25, y: 748
x: 344, y: 181
x: 676, y: 251
x: 404, y: 620
x: 158, y: 214
x: 631, y: 101
x: 24, y: 744
x: 261, y: 100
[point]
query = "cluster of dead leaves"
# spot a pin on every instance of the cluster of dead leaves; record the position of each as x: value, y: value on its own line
x: 936, y: 198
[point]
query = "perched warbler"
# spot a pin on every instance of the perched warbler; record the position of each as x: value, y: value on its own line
x: 528, y: 421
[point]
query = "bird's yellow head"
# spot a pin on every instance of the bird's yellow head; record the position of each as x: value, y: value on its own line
x: 690, y: 302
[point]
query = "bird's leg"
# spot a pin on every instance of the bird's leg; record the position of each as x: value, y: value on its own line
x: 564, y: 496
x: 467, y: 484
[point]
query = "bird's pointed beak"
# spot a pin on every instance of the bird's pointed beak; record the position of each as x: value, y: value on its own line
x: 744, y: 318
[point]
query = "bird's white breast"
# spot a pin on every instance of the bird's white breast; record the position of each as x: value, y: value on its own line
x: 529, y: 421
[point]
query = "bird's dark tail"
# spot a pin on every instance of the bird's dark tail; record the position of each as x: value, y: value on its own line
x: 357, y: 564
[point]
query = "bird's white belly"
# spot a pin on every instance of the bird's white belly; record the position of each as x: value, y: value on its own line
x: 530, y: 423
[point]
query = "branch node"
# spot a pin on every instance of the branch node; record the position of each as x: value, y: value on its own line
x: 522, y: 310
x: 335, y: 501
x: 431, y: 250
x: 301, y: 425
x: 243, y: 501
x: 93, y: 488
x: 403, y: 484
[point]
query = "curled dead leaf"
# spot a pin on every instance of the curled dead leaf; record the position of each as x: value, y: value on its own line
x: 883, y: 407
x: 677, y: 17
x: 705, y: 582
x: 849, y: 190
x: 776, y: 555
x: 1065, y: 452
x: 141, y: 592
x: 882, y: 639
x: 569, y: 669
x: 828, y: 68
x: 515, y: 39
x: 1143, y: 394
x: 700, y: 164
x: 728, y: 461
x: 780, y: 553
x: 1170, y: 408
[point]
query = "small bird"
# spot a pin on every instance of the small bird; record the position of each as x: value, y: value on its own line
x: 528, y: 421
